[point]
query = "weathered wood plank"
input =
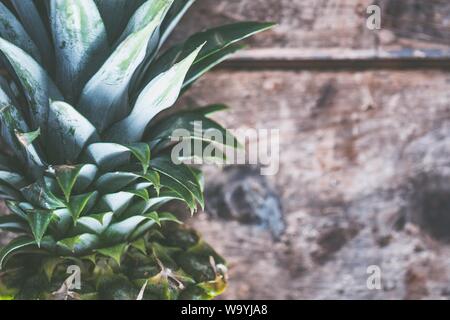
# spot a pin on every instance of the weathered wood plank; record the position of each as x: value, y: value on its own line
x: 337, y: 59
x: 332, y: 25
x: 362, y: 167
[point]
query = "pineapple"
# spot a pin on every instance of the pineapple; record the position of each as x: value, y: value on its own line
x: 86, y: 169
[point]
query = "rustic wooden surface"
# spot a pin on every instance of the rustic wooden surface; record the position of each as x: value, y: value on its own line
x: 364, y: 154
x: 359, y: 153
x: 325, y: 24
x: 364, y: 176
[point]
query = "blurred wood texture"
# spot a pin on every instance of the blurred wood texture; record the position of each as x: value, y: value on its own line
x: 365, y: 137
x: 333, y: 34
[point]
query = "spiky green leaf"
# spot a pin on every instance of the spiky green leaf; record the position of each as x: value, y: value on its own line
x: 217, y: 39
x: 39, y: 220
x: 36, y: 83
x: 116, y: 15
x: 115, y: 252
x: 80, y: 203
x: 141, y: 151
x: 86, y: 176
x: 115, y: 181
x: 96, y: 223
x: 13, y: 248
x: 158, y: 95
x: 193, y: 125
x: 12, y: 223
x: 38, y: 193
x: 111, y: 155
x: 14, y: 131
x: 71, y: 132
x: 104, y: 98
x: 176, y: 12
x: 80, y: 43
x: 13, y: 179
x: 12, y: 30
x: 33, y: 24
x: 204, y: 65
x: 115, y: 202
x: 79, y: 244
x: 180, y: 174
x: 121, y: 231
x: 67, y: 177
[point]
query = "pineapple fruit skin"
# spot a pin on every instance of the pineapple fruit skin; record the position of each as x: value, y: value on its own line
x: 88, y: 168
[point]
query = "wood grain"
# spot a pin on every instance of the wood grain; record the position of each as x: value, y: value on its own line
x: 360, y: 154
x: 333, y: 28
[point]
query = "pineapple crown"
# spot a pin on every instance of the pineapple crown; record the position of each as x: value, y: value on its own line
x: 87, y: 166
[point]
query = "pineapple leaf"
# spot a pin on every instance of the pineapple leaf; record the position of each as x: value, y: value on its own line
x: 96, y: 223
x: 181, y: 175
x: 15, y: 208
x: 202, y: 153
x: 167, y: 216
x: 199, y: 127
x: 13, y: 131
x: 7, y: 163
x: 67, y: 177
x: 152, y: 12
x: 154, y: 178
x: 154, y: 203
x: 49, y: 265
x: 198, y: 173
x: 224, y: 36
x: 206, y: 64
x: 13, y: 179
x: 80, y: 203
x: 122, y: 230
x: 8, y: 193
x: 108, y: 155
x: 115, y: 202
x: 111, y: 155
x: 86, y: 176
x: 161, y: 93
x: 154, y: 217
x: 12, y: 30
x: 104, y: 98
x: 69, y: 243
x: 142, y: 193
x: 115, y: 181
x: 162, y: 217
x: 13, y: 224
x: 39, y: 220
x: 116, y: 14
x: 115, y: 252
x: 179, y: 191
x: 140, y: 245
x: 38, y: 193
x: 79, y: 244
x: 211, y: 109
x: 80, y: 43
x: 27, y: 138
x: 63, y: 222
x: 35, y: 81
x: 71, y: 132
x: 33, y: 24
x: 217, y: 40
x: 13, y: 247
x: 176, y: 12
x: 142, y: 152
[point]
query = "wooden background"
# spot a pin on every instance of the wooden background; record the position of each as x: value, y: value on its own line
x: 364, y: 176
x: 365, y: 148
